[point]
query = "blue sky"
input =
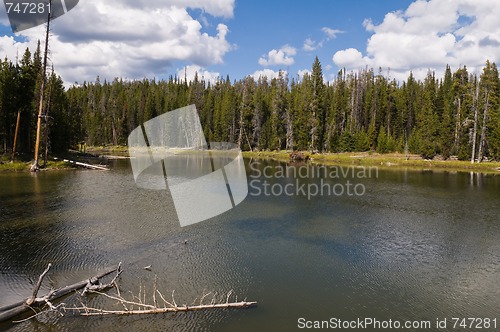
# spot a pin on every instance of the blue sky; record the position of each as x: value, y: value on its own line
x: 259, y: 27
x: 134, y: 39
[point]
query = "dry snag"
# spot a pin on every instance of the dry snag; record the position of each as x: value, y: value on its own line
x: 141, y: 304
x: 138, y: 305
x: 34, y: 303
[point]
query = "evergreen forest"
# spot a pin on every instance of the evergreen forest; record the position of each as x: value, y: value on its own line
x: 455, y: 115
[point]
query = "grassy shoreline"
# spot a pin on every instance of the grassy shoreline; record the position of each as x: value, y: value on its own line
x: 386, y: 161
x: 389, y: 161
x: 118, y: 150
x: 23, y: 166
x: 22, y: 163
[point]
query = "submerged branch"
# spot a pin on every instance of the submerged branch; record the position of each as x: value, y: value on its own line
x: 136, y: 305
x: 30, y: 304
x: 38, y: 285
x: 101, y: 312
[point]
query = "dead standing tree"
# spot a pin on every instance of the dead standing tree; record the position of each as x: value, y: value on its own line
x: 35, y: 167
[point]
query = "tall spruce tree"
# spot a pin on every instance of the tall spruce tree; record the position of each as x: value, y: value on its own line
x: 317, y: 108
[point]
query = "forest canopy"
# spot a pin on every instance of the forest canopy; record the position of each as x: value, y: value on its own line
x: 455, y: 115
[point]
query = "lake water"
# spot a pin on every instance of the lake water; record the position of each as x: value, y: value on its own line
x: 414, y: 245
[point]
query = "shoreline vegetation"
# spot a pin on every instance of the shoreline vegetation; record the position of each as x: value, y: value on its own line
x: 385, y: 160
x: 370, y: 158
x: 72, y: 159
x: 6, y: 166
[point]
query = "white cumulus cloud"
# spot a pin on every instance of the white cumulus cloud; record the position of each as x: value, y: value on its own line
x: 303, y: 72
x: 430, y: 35
x: 130, y: 39
x: 349, y: 58
x: 268, y: 74
x: 283, y: 56
x: 331, y: 33
x: 311, y: 45
x: 190, y: 71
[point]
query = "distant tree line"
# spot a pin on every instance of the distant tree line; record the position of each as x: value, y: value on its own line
x: 456, y: 115
x: 20, y: 88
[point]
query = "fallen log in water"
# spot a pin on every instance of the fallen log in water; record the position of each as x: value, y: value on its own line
x: 77, y: 163
x: 86, y: 311
x: 10, y: 311
x: 138, y: 304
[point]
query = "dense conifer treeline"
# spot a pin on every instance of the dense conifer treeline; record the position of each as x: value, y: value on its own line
x: 456, y: 115
x: 20, y: 92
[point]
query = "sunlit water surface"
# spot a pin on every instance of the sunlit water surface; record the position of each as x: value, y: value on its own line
x: 418, y: 245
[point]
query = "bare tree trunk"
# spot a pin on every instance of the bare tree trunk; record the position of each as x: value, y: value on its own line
x: 248, y: 141
x: 458, y: 122
x: 353, y: 103
x: 15, y: 136
x: 483, y: 129
x: 289, y: 130
x: 233, y: 130
x: 474, y: 133
x: 241, y: 124
x: 314, y: 129
x: 113, y: 130
x: 35, y: 165
x: 47, y: 129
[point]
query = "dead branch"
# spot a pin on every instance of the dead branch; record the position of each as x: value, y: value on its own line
x: 138, y: 305
x: 165, y: 301
x: 123, y: 301
x: 38, y: 285
x: 101, y: 312
x: 52, y: 308
x: 147, y: 309
x: 94, y: 283
x: 10, y: 311
x: 154, y: 291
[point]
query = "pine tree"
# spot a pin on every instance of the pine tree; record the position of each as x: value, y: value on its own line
x: 26, y: 96
x: 462, y: 92
x: 489, y: 92
x: 382, y: 141
x: 305, y: 122
x: 9, y: 103
x: 428, y: 120
x: 60, y: 128
x: 317, y: 117
x: 279, y: 89
x: 357, y: 111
